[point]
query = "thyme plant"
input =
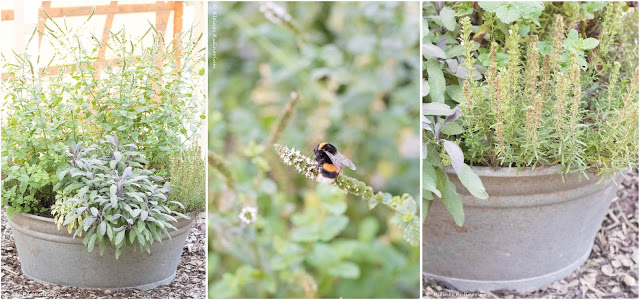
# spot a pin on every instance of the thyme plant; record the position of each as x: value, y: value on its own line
x: 188, y: 179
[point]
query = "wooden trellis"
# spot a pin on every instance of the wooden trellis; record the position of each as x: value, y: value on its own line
x: 162, y: 10
x: 7, y: 14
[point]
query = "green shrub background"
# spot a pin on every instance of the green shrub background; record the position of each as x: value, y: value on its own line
x: 143, y: 98
x: 355, y: 67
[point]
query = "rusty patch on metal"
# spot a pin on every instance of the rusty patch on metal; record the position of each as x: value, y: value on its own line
x: 494, y: 200
x: 35, y: 252
x: 461, y: 229
x: 456, y: 227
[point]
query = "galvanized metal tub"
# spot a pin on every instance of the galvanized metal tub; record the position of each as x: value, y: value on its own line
x: 533, y: 229
x: 50, y: 255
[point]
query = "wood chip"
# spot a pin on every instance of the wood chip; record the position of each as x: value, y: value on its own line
x: 573, y: 283
x: 595, y: 290
x: 492, y: 295
x: 9, y: 270
x: 602, y: 240
x: 614, y: 217
x: 629, y: 281
x: 607, y: 270
x: 561, y: 287
x: 616, y: 263
x: 615, y: 295
x: 626, y: 261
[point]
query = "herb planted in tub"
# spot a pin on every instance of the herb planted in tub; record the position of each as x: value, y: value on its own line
x: 188, y: 179
x: 551, y: 119
x: 120, y: 203
x: 116, y: 198
x: 521, y: 87
x: 151, y: 96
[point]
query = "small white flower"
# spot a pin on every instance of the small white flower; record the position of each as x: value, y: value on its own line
x: 275, y: 13
x: 269, y: 15
x: 248, y: 215
x: 278, y: 10
x: 510, y: 31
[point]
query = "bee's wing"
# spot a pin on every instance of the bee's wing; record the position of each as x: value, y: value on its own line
x: 334, y: 161
x: 338, y: 159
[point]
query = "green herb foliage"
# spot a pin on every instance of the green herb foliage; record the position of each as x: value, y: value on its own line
x: 188, y: 179
x: 444, y: 71
x: 62, y: 207
x: 509, y: 12
x: 273, y: 232
x: 547, y: 106
x: 149, y: 95
x: 120, y: 203
x: 404, y: 206
x: 535, y: 84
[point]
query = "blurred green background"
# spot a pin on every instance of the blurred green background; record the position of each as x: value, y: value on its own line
x: 356, y: 69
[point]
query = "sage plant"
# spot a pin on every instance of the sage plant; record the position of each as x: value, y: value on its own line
x: 119, y: 202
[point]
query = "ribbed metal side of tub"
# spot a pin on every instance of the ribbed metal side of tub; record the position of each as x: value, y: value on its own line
x: 52, y: 256
x: 535, y: 228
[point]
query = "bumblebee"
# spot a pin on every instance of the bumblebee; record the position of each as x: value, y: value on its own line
x: 330, y: 161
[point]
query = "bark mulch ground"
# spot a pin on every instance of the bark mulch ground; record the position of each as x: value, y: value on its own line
x: 610, y: 272
x: 190, y: 281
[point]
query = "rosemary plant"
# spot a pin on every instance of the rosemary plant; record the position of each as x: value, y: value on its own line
x: 534, y: 110
x: 523, y: 86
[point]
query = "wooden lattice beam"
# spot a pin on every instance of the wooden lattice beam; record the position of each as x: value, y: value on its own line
x: 7, y: 15
x: 162, y: 9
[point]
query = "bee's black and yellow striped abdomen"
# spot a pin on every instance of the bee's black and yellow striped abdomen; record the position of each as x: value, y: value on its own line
x: 329, y: 170
x: 325, y: 166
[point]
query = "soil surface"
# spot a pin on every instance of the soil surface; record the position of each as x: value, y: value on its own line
x: 610, y: 272
x: 190, y: 281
